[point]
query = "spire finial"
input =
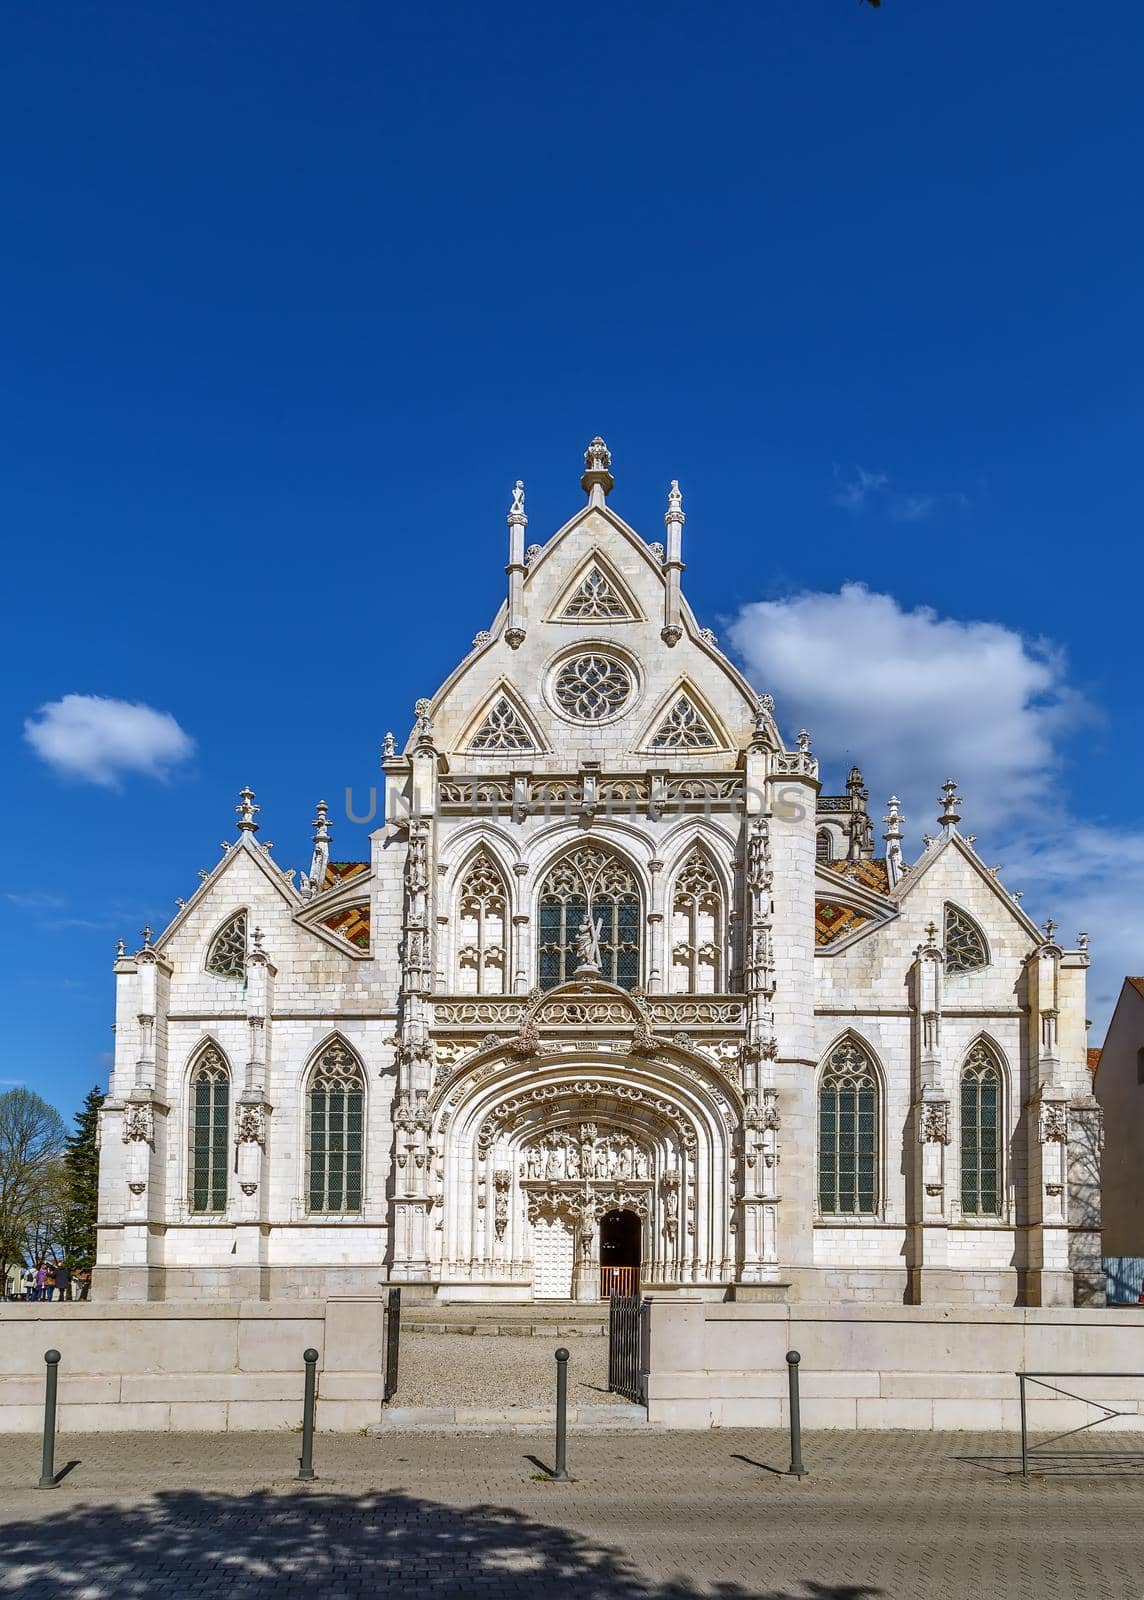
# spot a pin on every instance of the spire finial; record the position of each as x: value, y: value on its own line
x: 1050, y: 928
x: 147, y: 933
x: 950, y: 800
x: 258, y: 940
x: 597, y: 480
x: 893, y: 838
x: 120, y: 949
x: 321, y: 822
x: 247, y: 811
x: 516, y: 510
x: 320, y: 860
x: 389, y: 747
x: 931, y: 932
x: 803, y: 742
x: 674, y: 512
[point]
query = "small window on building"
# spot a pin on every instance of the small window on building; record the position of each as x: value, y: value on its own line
x: 964, y: 942
x: 823, y: 849
x: 226, y: 957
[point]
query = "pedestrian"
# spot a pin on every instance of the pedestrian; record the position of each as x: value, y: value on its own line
x: 63, y: 1281
x: 82, y: 1277
x: 49, y: 1282
x: 41, y: 1281
x: 28, y: 1283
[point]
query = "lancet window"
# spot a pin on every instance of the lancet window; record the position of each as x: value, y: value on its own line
x: 848, y: 1133
x: 482, y: 928
x: 210, y: 1125
x: 697, y: 927
x: 981, y: 1134
x: 335, y: 1131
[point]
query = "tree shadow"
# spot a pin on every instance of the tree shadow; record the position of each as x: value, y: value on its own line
x: 286, y: 1545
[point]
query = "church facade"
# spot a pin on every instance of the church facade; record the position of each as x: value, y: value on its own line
x: 620, y: 1001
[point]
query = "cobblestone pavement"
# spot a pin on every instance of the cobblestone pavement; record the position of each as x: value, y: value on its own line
x: 908, y: 1516
x: 449, y: 1369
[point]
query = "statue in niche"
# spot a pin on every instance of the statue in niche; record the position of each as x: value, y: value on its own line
x: 641, y: 1163
x: 572, y: 1160
x: 625, y: 1161
x: 532, y: 1158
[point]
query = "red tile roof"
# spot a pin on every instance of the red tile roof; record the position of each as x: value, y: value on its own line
x: 342, y: 871
x: 870, y: 874
x: 1093, y: 1061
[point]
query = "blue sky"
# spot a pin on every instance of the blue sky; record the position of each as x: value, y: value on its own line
x: 294, y: 293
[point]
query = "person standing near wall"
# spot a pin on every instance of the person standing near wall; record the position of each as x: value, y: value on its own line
x: 63, y: 1281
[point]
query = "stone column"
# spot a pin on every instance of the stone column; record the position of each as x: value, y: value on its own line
x: 927, y: 1187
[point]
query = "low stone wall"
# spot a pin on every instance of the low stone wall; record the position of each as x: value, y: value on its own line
x: 919, y: 1367
x: 201, y: 1367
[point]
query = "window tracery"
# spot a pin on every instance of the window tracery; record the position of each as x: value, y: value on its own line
x: 684, y: 728
x: 848, y: 1133
x: 592, y: 883
x: 980, y: 1134
x: 502, y: 729
x: 964, y: 943
x: 697, y: 924
x: 592, y: 686
x: 595, y: 599
x: 226, y: 957
x: 823, y: 846
x: 335, y: 1113
x: 209, y: 1120
x: 482, y: 928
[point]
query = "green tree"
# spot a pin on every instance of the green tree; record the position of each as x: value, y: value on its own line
x: 32, y: 1138
x: 81, y: 1167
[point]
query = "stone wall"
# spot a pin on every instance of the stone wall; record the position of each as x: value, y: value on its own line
x: 710, y: 1365
x: 203, y: 1367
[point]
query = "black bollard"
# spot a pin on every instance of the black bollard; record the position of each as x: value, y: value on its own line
x: 561, y: 1473
x: 306, y: 1463
x: 796, y: 1468
x: 48, y: 1465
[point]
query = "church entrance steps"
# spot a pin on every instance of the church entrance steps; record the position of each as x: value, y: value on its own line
x: 493, y: 1373
x: 555, y: 1319
x: 511, y: 1419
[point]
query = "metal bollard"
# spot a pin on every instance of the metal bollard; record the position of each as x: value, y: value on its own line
x: 306, y: 1463
x: 796, y: 1468
x: 561, y: 1473
x: 48, y: 1465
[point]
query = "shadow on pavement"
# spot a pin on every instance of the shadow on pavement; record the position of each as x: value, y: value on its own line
x: 303, y: 1543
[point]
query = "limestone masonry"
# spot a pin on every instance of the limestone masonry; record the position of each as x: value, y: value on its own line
x: 620, y: 1001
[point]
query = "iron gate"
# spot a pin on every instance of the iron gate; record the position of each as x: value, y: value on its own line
x: 624, y: 1347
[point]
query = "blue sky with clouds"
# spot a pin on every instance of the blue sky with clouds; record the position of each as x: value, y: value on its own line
x: 294, y: 293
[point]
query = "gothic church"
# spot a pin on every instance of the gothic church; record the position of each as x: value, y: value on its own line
x: 620, y: 1001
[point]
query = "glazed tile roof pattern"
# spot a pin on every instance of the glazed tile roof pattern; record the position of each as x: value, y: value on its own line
x: 342, y: 871
x: 351, y: 924
x: 833, y: 921
x: 870, y: 874
x: 1093, y: 1061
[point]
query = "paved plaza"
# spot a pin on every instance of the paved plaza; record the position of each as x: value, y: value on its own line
x: 656, y: 1515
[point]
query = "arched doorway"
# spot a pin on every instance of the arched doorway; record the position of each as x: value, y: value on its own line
x: 620, y: 1240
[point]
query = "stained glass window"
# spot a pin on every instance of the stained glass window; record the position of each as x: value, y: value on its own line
x: 335, y: 1132
x: 697, y: 927
x: 848, y: 1134
x: 226, y: 957
x: 980, y: 1135
x: 210, y: 1117
x: 592, y: 687
x: 964, y: 943
x: 482, y: 923
x: 684, y: 728
x: 589, y: 882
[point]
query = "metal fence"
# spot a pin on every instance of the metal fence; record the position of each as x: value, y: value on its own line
x: 1125, y: 1279
x: 624, y: 1347
x: 392, y: 1341
x: 1042, y: 1452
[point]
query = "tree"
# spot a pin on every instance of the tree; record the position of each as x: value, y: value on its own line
x: 32, y: 1138
x: 81, y: 1166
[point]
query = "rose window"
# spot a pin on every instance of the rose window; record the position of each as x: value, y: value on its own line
x: 592, y: 687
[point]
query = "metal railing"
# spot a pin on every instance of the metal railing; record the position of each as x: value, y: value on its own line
x: 1108, y: 1414
x: 619, y: 1280
x: 392, y: 1341
x: 624, y: 1347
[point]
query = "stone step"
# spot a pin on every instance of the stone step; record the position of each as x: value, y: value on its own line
x: 509, y: 1419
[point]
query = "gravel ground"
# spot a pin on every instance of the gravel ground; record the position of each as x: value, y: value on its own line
x: 449, y: 1369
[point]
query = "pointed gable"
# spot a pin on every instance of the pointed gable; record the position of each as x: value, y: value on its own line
x: 596, y: 598
x: 684, y: 728
x: 503, y: 728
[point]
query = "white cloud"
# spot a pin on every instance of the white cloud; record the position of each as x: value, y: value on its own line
x: 914, y: 698
x: 36, y: 900
x: 98, y: 740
